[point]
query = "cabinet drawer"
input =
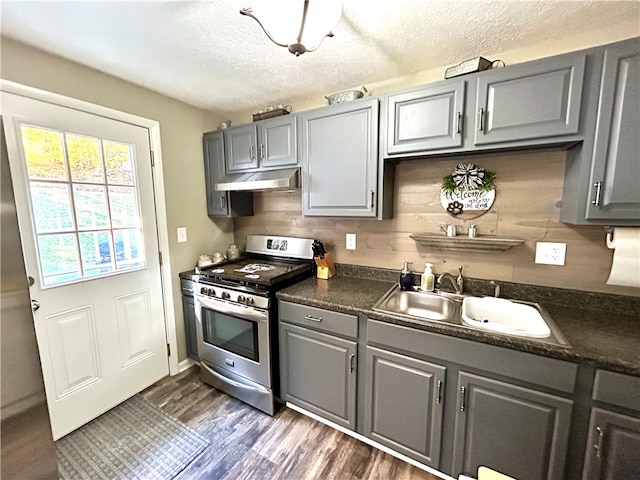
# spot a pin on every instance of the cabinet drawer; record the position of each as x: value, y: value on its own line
x: 319, y: 319
x: 527, y: 367
x: 617, y: 389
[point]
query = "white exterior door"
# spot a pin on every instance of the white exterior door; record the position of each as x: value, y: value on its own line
x: 84, y: 196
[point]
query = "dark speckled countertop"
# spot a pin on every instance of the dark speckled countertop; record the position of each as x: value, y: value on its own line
x: 603, y: 330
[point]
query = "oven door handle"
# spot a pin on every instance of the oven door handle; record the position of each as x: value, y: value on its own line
x: 235, y: 383
x: 247, y: 313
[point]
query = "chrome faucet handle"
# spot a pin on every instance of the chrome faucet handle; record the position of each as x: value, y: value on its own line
x: 460, y: 280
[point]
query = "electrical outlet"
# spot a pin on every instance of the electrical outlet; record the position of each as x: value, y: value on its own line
x: 182, y: 234
x: 550, y: 253
x: 351, y: 241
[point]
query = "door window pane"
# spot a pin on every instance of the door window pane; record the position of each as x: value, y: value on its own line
x: 51, y: 206
x: 44, y: 153
x: 59, y: 258
x: 91, y: 206
x: 97, y: 230
x: 85, y: 160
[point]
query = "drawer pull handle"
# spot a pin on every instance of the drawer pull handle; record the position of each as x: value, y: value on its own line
x: 598, y: 186
x: 598, y: 446
x: 439, y: 396
x: 313, y: 319
x: 463, y: 392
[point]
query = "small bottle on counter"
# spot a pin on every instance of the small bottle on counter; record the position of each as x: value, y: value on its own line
x: 473, y: 231
x: 406, y: 280
x: 428, y: 280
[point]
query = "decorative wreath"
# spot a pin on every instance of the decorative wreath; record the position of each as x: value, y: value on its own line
x: 468, y: 176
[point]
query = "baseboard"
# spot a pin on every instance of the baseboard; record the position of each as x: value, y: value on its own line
x: 22, y: 404
x: 185, y: 364
x: 368, y: 441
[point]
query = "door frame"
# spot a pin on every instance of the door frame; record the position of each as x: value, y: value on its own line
x: 158, y: 191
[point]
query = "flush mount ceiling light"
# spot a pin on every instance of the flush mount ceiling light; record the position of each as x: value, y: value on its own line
x: 299, y: 25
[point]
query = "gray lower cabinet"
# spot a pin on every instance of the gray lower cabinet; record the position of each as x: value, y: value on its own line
x: 515, y: 430
x: 318, y: 373
x: 265, y: 144
x: 613, y: 447
x: 429, y: 118
x: 189, y: 316
x: 615, y: 170
x: 404, y: 404
x: 221, y: 204
x: 339, y: 149
x: 533, y: 100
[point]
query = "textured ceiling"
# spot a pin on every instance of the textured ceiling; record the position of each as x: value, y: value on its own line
x: 207, y: 54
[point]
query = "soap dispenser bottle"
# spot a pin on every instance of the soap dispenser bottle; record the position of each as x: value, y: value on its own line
x: 406, y: 280
x: 428, y: 280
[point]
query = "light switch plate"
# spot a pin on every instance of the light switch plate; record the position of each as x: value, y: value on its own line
x: 182, y: 234
x: 550, y: 253
x: 351, y: 241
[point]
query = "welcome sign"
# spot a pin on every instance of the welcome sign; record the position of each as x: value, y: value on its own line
x: 468, y: 192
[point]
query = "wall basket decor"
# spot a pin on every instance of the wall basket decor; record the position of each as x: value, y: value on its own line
x: 468, y: 192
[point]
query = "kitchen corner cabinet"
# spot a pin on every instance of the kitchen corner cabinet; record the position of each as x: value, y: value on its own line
x: 613, y: 441
x: 339, y: 149
x: 515, y: 430
x: 265, y: 144
x: 530, y: 101
x: 221, y: 204
x: 404, y: 404
x: 318, y: 365
x: 615, y: 170
x: 429, y: 118
x: 189, y: 317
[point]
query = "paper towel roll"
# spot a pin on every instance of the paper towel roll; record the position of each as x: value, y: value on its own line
x: 625, y: 270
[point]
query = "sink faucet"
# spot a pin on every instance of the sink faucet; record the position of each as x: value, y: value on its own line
x: 457, y: 282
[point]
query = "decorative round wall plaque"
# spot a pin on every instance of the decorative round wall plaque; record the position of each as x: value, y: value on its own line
x: 468, y: 192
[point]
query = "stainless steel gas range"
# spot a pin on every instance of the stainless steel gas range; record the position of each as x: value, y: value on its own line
x: 237, y: 318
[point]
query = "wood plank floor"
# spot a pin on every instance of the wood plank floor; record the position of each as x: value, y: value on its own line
x: 248, y: 444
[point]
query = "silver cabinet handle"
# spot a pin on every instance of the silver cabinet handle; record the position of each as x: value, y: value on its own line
x: 262, y: 150
x: 352, y: 361
x: 439, y: 396
x: 313, y: 319
x: 252, y: 155
x: 35, y: 305
x: 459, y: 123
x: 481, y: 120
x: 373, y: 199
x: 598, y: 186
x: 463, y: 394
x: 598, y: 446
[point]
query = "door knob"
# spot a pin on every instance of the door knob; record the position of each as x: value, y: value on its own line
x: 31, y: 280
x: 35, y: 305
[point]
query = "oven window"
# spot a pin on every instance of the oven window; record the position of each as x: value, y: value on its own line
x: 232, y: 334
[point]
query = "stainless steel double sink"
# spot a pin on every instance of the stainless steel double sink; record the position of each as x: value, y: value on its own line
x: 493, y: 315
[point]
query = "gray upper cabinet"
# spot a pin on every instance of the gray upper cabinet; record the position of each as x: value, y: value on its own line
x: 268, y: 143
x: 615, y: 171
x: 612, y: 446
x: 404, y: 403
x: 534, y: 100
x: 430, y: 118
x: 339, y: 148
x: 221, y: 204
x: 515, y: 430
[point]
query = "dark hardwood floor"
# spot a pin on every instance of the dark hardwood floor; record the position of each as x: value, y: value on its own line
x: 248, y: 444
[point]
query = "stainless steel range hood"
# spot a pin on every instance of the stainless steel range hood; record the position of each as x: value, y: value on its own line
x: 284, y: 179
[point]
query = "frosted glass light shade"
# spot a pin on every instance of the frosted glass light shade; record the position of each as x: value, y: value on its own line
x: 282, y: 21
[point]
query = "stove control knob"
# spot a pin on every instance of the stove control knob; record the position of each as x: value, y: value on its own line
x: 225, y: 295
x: 203, y: 290
x: 212, y: 292
x: 250, y: 301
x: 241, y: 299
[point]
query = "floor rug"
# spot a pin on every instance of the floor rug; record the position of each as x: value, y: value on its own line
x: 135, y: 440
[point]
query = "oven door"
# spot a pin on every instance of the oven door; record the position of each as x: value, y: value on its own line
x: 234, y: 338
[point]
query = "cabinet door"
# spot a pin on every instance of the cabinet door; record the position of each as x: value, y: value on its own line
x: 517, y: 431
x: 613, y: 447
x: 217, y: 202
x: 615, y: 173
x: 242, y: 148
x: 535, y: 100
x: 340, y: 160
x: 318, y: 373
x: 403, y: 404
x: 189, y: 314
x: 425, y: 119
x: 278, y: 142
